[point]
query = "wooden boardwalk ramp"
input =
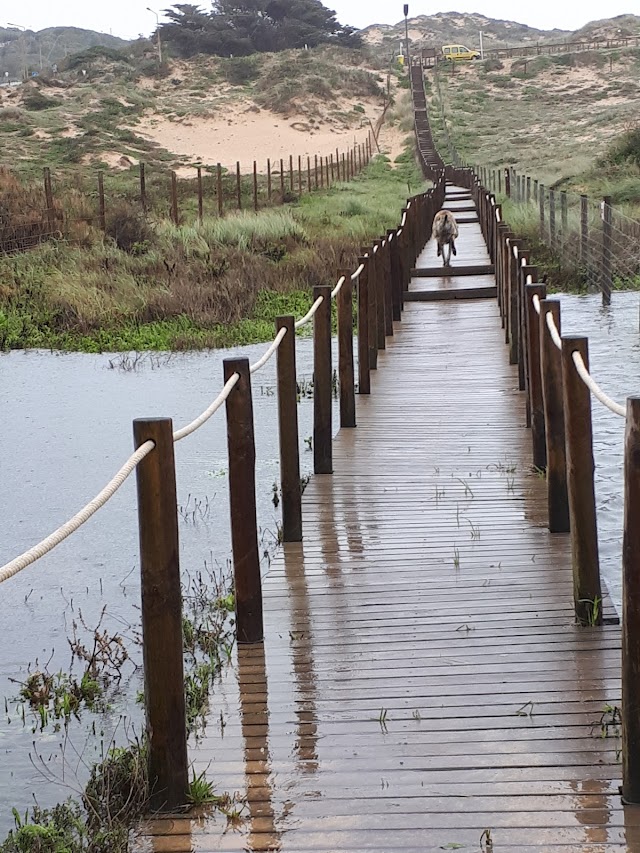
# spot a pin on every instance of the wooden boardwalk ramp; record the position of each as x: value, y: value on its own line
x: 422, y: 686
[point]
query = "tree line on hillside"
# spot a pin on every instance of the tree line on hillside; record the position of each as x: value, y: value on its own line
x: 243, y: 27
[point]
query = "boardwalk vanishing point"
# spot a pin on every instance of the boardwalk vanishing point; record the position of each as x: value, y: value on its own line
x: 422, y: 684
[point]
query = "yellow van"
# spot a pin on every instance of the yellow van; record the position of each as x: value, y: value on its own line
x: 459, y: 52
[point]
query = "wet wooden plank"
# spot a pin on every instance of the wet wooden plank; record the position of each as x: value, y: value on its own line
x: 422, y: 678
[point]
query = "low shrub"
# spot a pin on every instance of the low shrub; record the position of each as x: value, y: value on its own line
x: 127, y: 227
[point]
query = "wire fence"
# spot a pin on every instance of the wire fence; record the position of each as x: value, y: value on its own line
x: 32, y: 212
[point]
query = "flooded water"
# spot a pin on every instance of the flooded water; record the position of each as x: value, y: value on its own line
x: 66, y: 427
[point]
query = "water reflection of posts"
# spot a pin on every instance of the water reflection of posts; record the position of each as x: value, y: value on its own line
x: 254, y: 720
x: 242, y: 501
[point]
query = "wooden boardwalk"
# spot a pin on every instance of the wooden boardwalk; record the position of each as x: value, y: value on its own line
x: 422, y: 679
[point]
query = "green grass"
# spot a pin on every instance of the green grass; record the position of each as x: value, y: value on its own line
x: 221, y: 283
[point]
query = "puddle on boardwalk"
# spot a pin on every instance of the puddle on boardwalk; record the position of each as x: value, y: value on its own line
x: 67, y: 426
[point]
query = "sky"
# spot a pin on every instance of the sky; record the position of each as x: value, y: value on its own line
x: 129, y: 18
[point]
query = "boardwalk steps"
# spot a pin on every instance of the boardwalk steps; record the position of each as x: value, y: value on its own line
x: 452, y: 271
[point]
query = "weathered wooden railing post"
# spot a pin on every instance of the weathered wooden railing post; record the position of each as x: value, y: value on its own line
x: 587, y: 593
x: 175, y: 215
x: 552, y: 219
x: 322, y: 443
x: 102, y: 213
x: 364, y: 377
x: 526, y: 272
x: 631, y: 608
x: 584, y: 231
x: 242, y: 502
x: 514, y: 299
x: 288, y: 433
x: 551, y: 370
x: 606, y: 280
x: 541, y: 203
x: 396, y: 276
x: 378, y: 264
x: 507, y: 182
x: 346, y: 377
x: 372, y: 290
x: 385, y: 250
x: 162, y: 645
x: 535, y: 377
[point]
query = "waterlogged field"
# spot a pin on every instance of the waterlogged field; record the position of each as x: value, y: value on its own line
x: 67, y: 428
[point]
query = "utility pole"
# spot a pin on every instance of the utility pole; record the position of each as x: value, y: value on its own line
x: 406, y: 32
x: 153, y: 12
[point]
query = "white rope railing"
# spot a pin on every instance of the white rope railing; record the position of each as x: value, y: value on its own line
x: 304, y: 320
x: 357, y: 273
x: 553, y: 330
x: 28, y: 557
x: 254, y: 368
x: 580, y: 366
x: 595, y: 389
x: 336, y: 290
x: 209, y: 412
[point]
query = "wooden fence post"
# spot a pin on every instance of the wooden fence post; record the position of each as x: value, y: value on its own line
x: 346, y: 376
x: 507, y: 182
x: 607, y: 270
x: 299, y: 175
x: 631, y: 608
x: 219, y: 190
x: 372, y: 290
x: 321, y: 172
x: 338, y: 162
x: 528, y: 199
x: 513, y: 269
x: 48, y: 194
x: 381, y: 325
x: 200, y: 195
x: 288, y: 432
x: 535, y: 376
x: 239, y: 185
x: 143, y: 189
x: 564, y: 215
x: 175, y: 215
x: 395, y: 275
x: 552, y: 219
x: 242, y: 502
x: 255, y: 186
x: 322, y: 376
x: 587, y: 592
x: 102, y: 213
x: 291, y: 182
x: 162, y: 616
x: 584, y: 231
x: 541, y: 203
x: 315, y: 179
x: 269, y: 186
x: 551, y: 370
x: 308, y: 174
x: 364, y: 377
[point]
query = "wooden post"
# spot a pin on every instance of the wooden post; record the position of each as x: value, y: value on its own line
x: 102, y: 214
x: 587, y: 592
x: 564, y: 215
x: 396, y: 275
x: 162, y: 616
x: 535, y: 376
x: 282, y: 180
x: 385, y: 250
x: 551, y: 370
x: 631, y: 608
x: 219, y: 190
x: 200, y: 195
x: 332, y: 173
x: 552, y: 219
x: 315, y: 179
x: 242, y: 502
x: 269, y: 186
x: 345, y: 177
x: 299, y: 175
x: 380, y: 295
x: 346, y: 376
x: 175, y: 216
x: 255, y: 186
x: 322, y: 438
x: 528, y: 190
x: 338, y: 162
x: 239, y: 185
x: 321, y: 172
x: 364, y: 377
x: 143, y: 189
x: 513, y: 271
x: 372, y: 290
x: 507, y: 182
x: 291, y: 184
x: 584, y: 231
x: 288, y: 432
x: 309, y: 174
x: 541, y: 204
x: 607, y: 269
x: 48, y: 193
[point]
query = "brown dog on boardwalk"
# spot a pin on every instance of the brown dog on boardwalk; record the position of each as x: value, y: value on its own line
x: 445, y: 232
